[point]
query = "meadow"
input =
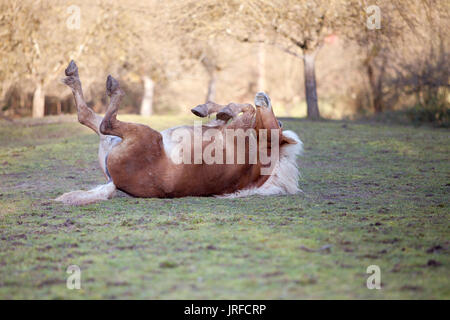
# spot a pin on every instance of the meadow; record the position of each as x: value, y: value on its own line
x: 373, y: 194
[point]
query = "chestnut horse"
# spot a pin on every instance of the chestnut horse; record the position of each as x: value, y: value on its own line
x: 139, y: 160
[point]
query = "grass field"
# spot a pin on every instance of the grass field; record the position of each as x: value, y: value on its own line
x: 373, y: 195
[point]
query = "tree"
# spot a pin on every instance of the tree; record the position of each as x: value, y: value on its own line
x: 205, y: 53
x: 407, y: 54
x: 377, y: 45
x: 141, y: 50
x: 261, y: 67
x: 211, y: 68
x: 296, y: 27
x: 110, y: 38
x: 19, y: 47
x: 147, y: 99
x: 34, y: 52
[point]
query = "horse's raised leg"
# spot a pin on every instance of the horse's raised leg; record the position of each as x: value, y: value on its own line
x: 206, y: 109
x: 90, y: 119
x: 141, y: 134
x: 223, y: 113
x: 232, y: 110
x: 110, y: 125
x: 86, y: 115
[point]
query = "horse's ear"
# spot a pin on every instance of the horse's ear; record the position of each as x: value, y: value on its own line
x: 287, y: 140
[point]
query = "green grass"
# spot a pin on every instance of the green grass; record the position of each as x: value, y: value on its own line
x: 373, y: 195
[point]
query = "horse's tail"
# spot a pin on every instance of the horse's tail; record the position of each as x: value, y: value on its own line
x: 80, y: 197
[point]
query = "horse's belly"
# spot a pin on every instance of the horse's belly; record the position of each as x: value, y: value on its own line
x: 140, y: 173
x: 186, y: 180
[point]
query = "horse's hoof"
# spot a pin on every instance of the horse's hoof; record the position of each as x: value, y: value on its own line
x: 200, y: 111
x: 263, y: 100
x: 225, y: 114
x: 72, y: 69
x: 112, y: 85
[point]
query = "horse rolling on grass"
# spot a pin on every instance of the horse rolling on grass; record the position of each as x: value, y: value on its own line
x: 140, y: 161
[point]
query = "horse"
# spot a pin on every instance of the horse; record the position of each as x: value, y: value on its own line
x: 143, y: 162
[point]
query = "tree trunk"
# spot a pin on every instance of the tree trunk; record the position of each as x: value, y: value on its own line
x: 147, y: 99
x: 38, y: 101
x: 58, y: 107
x: 261, y: 67
x: 211, y: 95
x: 310, y: 86
x: 375, y: 88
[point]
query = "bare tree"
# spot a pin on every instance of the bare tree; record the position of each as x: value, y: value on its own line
x: 407, y: 53
x: 150, y: 55
x: 147, y: 100
x: 261, y: 67
x: 296, y: 27
x: 34, y: 51
x: 376, y: 46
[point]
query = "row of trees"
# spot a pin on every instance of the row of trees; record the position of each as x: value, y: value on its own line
x: 404, y: 44
x: 38, y: 39
x: 402, y: 51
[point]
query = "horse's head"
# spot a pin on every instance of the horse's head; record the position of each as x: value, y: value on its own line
x: 265, y: 119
